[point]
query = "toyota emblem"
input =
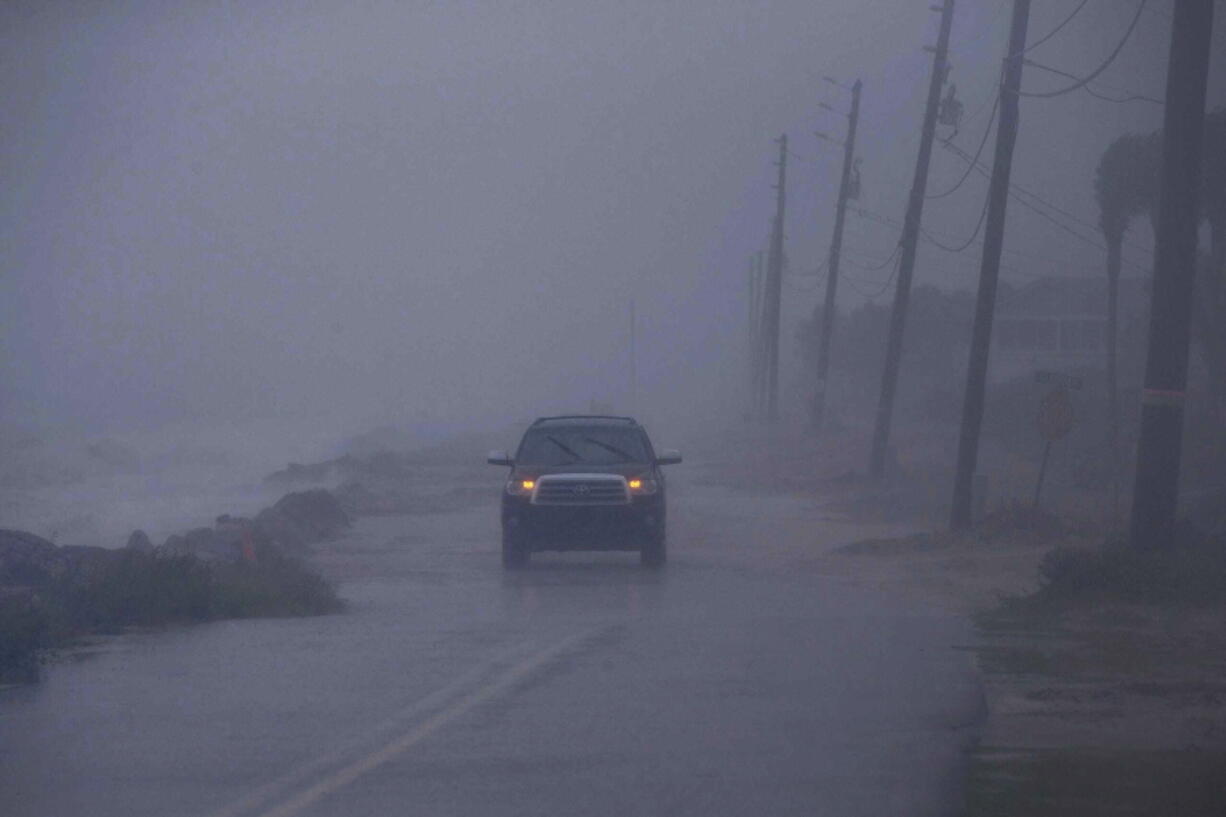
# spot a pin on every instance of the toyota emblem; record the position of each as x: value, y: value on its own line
x: 581, y: 490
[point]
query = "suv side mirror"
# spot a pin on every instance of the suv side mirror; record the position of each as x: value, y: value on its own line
x: 669, y: 456
x: 499, y: 458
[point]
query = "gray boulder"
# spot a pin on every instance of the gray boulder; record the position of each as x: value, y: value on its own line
x: 205, y: 544
x: 139, y: 540
x: 27, y: 560
x: 30, y: 561
x: 317, y: 513
x: 241, y: 534
x: 281, y: 531
x: 175, y: 545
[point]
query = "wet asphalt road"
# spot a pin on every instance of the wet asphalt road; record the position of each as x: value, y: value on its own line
x: 737, y: 681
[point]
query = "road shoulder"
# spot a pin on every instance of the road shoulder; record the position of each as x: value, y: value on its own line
x: 1114, y: 709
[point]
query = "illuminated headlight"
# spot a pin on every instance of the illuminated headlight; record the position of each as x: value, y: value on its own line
x: 642, y: 485
x: 521, y: 487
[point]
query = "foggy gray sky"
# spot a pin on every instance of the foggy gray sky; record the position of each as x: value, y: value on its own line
x: 380, y: 210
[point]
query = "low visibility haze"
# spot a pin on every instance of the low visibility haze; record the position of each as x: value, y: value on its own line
x: 695, y: 408
x: 439, y: 212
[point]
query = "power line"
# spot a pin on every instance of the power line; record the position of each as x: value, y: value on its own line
x: 964, y: 156
x: 1121, y: 99
x: 1055, y: 30
x: 978, y: 151
x: 884, y: 286
x: 974, y: 235
x: 1017, y: 189
x: 820, y: 269
x: 865, y: 255
x: 1089, y: 89
x: 1035, y: 209
x: 1110, y: 59
x: 876, y: 267
x: 1019, y: 253
x: 1009, y: 272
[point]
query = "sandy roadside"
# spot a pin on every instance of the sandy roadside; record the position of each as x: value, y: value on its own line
x: 1111, y: 710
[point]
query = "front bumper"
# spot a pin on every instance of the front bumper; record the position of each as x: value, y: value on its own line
x: 584, y: 527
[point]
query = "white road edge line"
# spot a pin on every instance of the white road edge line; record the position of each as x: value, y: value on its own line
x: 269, y: 790
x: 346, y: 775
x: 433, y: 700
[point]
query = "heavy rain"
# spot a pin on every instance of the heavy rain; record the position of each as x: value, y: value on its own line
x: 709, y: 407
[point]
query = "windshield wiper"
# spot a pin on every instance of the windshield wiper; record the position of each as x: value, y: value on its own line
x: 611, y: 448
x: 569, y: 451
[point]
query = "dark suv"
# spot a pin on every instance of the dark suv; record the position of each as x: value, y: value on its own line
x: 584, y: 482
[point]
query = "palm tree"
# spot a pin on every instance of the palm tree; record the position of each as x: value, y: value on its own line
x: 1125, y: 185
x: 1210, y: 302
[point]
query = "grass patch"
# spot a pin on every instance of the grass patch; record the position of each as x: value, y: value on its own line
x: 274, y: 585
x: 142, y: 589
x: 1191, y: 571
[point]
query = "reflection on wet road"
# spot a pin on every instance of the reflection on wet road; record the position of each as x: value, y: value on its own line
x: 735, y: 681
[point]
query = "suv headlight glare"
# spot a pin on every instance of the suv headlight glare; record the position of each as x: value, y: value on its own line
x: 642, y: 485
x: 521, y: 487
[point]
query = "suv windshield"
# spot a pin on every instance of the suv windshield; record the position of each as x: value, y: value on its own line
x: 597, y: 445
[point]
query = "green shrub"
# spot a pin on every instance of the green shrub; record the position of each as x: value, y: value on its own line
x: 132, y: 588
x: 273, y: 585
x: 140, y: 589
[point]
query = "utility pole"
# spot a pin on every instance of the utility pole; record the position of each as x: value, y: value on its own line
x: 757, y: 352
x: 634, y: 358
x: 989, y: 269
x: 1113, y: 335
x: 1156, y: 491
x: 908, y: 243
x: 753, y: 358
x: 829, y: 313
x: 774, y: 288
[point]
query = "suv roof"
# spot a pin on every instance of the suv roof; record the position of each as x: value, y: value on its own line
x: 585, y: 419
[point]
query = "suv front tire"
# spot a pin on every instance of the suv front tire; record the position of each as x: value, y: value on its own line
x: 515, y: 551
x: 654, y: 552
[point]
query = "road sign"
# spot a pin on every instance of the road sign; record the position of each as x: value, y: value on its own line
x: 1056, y: 415
x: 1046, y: 377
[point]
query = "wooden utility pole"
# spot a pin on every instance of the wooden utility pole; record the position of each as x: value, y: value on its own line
x: 754, y: 326
x: 634, y: 358
x: 774, y: 288
x: 829, y: 313
x: 908, y: 244
x: 989, y: 271
x: 761, y: 350
x: 1156, y: 491
x: 1113, y: 334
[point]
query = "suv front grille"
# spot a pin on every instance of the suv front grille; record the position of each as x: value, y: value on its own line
x: 581, y: 489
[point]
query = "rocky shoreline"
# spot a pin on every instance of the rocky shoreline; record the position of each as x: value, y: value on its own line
x: 51, y: 595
